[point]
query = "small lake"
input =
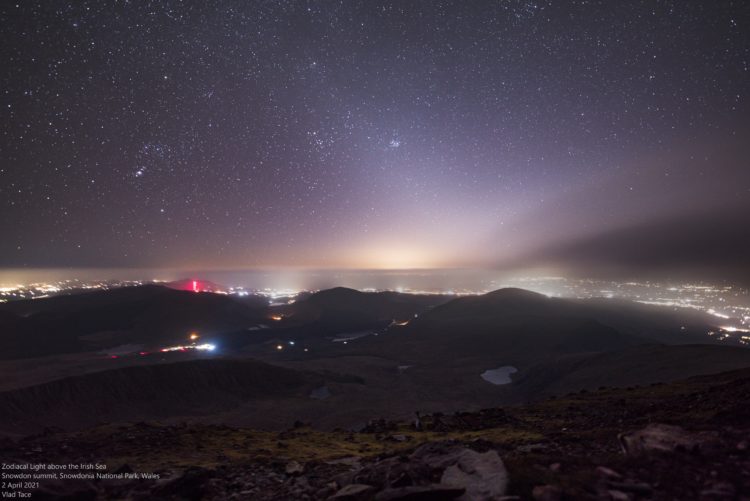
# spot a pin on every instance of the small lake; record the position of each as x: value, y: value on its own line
x: 320, y: 393
x: 501, y: 375
x: 349, y: 336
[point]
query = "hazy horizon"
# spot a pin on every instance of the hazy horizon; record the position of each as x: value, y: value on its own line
x: 296, y: 279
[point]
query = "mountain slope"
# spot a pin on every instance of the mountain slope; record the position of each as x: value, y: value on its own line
x: 149, y: 315
x: 518, y: 326
x: 684, y: 440
x: 657, y: 324
x: 149, y: 391
x: 637, y: 365
x: 341, y: 309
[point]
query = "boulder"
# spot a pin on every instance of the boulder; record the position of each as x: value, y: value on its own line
x: 354, y: 492
x: 546, y: 493
x: 665, y: 438
x: 433, y: 470
x: 433, y: 492
x: 483, y: 476
x: 294, y: 468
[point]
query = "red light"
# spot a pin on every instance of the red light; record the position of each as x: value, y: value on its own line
x: 143, y: 353
x: 195, y: 286
x: 113, y: 356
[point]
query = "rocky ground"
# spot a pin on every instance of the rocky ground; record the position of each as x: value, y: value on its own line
x: 687, y: 440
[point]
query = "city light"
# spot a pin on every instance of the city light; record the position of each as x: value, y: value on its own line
x: 728, y: 303
x: 199, y: 347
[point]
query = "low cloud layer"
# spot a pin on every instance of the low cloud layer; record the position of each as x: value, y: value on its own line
x: 710, y: 246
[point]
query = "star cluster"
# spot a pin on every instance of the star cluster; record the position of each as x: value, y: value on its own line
x: 360, y: 133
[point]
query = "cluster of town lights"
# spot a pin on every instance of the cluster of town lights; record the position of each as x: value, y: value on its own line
x: 193, y: 346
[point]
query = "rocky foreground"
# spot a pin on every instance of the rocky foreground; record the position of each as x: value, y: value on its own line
x: 686, y: 440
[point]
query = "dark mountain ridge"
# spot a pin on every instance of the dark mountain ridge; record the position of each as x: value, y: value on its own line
x: 149, y: 391
x: 506, y: 306
x: 149, y: 315
x: 342, y: 309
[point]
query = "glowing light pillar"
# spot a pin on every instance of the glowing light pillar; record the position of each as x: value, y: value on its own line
x: 195, y: 286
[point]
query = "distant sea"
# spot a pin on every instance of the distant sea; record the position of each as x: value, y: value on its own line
x: 430, y: 280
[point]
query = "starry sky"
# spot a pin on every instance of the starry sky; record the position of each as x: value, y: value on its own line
x: 581, y: 136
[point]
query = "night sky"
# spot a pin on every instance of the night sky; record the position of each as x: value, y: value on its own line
x: 371, y: 134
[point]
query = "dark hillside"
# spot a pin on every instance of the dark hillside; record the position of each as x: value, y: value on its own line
x: 149, y: 315
x: 148, y: 392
